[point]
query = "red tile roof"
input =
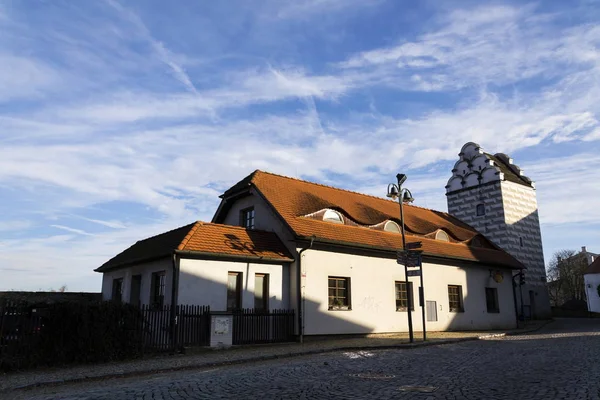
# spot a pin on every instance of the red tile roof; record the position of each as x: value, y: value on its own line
x: 204, y: 239
x: 294, y: 199
x: 593, y: 268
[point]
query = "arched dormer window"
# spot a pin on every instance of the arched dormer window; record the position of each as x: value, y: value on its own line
x: 480, y: 209
x: 333, y: 216
x: 443, y: 236
x: 391, y: 226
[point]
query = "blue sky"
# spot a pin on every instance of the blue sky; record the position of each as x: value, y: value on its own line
x: 120, y: 120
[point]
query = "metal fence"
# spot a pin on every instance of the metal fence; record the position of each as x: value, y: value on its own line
x: 256, y: 326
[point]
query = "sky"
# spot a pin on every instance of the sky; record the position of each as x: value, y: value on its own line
x: 121, y: 119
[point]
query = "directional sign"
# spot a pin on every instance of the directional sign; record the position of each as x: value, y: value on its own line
x: 410, y: 258
x: 414, y: 245
x: 413, y: 272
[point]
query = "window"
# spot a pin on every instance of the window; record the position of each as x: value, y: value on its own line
x: 234, y: 291
x: 134, y: 293
x: 117, y: 290
x: 455, y: 298
x: 247, y: 218
x: 261, y: 292
x: 333, y: 216
x: 157, y: 295
x: 491, y: 299
x: 521, y: 241
x: 480, y: 210
x: 476, y: 242
x: 391, y: 226
x: 443, y: 236
x: 339, y: 293
x: 402, y: 296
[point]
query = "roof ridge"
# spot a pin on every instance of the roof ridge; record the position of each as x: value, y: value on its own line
x: 343, y: 190
x: 189, y: 235
x: 164, y: 233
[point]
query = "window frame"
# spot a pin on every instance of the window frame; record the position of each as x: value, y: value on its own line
x: 495, y: 309
x: 459, y: 294
x: 157, y: 289
x: 117, y: 283
x: 265, y: 293
x: 238, y: 291
x: 480, y: 209
x: 248, y: 218
x: 348, y: 301
x: 409, y: 293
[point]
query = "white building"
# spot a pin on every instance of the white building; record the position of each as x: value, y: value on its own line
x: 592, y: 285
x: 493, y: 195
x: 330, y: 254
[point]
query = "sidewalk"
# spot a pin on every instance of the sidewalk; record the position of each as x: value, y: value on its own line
x: 206, y: 358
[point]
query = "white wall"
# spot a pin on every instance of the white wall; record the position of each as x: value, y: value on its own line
x: 204, y: 282
x: 373, y: 296
x: 144, y: 269
x: 592, y: 280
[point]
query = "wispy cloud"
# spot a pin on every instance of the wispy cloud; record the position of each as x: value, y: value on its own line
x: 72, y: 230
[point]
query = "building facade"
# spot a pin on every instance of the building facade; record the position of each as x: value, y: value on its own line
x: 492, y: 194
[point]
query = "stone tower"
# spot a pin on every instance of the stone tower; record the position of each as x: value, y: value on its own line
x: 492, y: 194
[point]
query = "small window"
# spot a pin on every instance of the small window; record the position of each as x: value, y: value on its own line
x: 480, y: 210
x: 443, y: 236
x: 333, y: 216
x: 455, y: 299
x: 491, y: 299
x: 234, y: 291
x: 402, y: 296
x: 261, y: 292
x: 117, y: 290
x: 521, y: 241
x: 247, y: 218
x: 339, y: 293
x: 157, y: 295
x: 391, y: 226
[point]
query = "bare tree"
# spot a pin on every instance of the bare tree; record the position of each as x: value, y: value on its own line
x: 565, y: 276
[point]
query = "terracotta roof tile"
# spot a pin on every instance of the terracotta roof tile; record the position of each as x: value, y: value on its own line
x: 593, y: 268
x: 293, y: 199
x: 203, y: 238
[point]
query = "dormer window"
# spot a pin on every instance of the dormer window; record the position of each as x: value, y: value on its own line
x: 333, y: 216
x: 391, y: 226
x: 480, y: 209
x: 247, y: 218
x: 443, y: 236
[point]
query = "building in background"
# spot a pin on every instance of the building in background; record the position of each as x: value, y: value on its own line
x: 492, y: 194
x: 592, y: 285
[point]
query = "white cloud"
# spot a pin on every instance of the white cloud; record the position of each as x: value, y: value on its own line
x: 72, y: 230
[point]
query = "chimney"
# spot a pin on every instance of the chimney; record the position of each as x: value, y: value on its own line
x: 583, y: 250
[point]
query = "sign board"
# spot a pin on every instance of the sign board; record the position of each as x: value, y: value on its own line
x: 221, y: 334
x: 413, y: 272
x: 410, y: 258
x: 414, y: 245
x: 221, y: 326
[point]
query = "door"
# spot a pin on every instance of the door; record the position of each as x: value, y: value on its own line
x: 431, y: 311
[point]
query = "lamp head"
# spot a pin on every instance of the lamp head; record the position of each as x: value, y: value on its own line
x: 392, y: 191
x: 407, y: 196
x: 401, y: 179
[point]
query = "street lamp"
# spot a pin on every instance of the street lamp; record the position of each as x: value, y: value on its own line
x: 395, y: 191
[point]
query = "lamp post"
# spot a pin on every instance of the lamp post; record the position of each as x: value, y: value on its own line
x: 396, y: 191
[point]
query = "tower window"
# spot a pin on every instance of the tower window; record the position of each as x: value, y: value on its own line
x: 480, y: 209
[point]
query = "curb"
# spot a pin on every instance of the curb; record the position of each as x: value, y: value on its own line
x: 207, y: 365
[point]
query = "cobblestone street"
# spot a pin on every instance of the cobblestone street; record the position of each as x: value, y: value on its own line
x: 558, y: 362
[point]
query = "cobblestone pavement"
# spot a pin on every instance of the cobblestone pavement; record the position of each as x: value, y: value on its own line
x: 559, y: 362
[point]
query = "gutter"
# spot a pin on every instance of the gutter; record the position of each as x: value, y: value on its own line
x: 174, y: 298
x: 299, y: 290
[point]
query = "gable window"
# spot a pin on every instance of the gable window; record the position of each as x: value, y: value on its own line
x: 455, y: 299
x: 234, y: 291
x: 247, y: 218
x: 339, y: 293
x: 443, y: 236
x: 117, y: 290
x: 391, y: 226
x: 261, y: 292
x: 157, y: 294
x: 333, y: 216
x: 480, y: 209
x: 491, y: 299
x: 402, y: 296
